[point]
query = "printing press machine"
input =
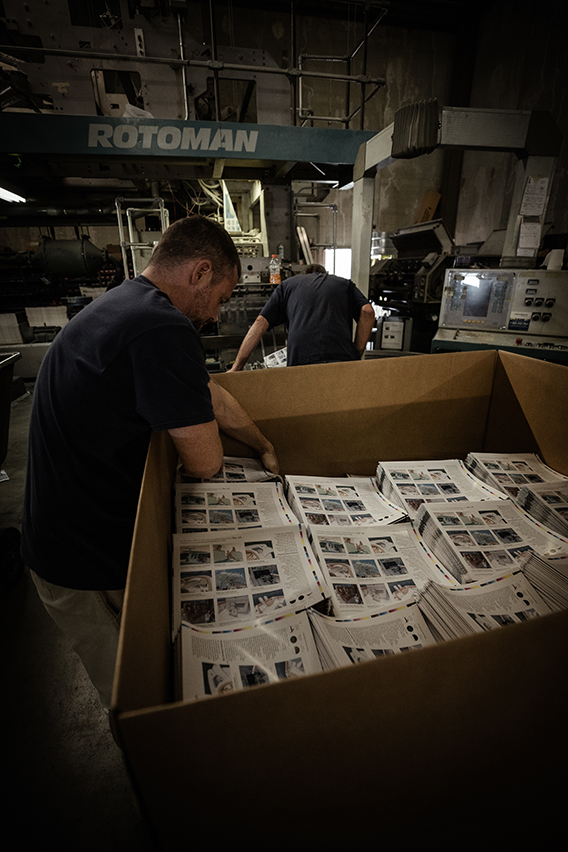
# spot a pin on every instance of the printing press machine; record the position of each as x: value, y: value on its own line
x: 519, y: 310
x: 410, y: 285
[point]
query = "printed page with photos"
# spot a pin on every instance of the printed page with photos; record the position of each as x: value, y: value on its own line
x: 348, y: 501
x: 344, y: 642
x: 480, y: 541
x: 373, y: 568
x: 410, y: 484
x: 226, y: 580
x: 509, y: 472
x: 207, y: 506
x: 456, y: 612
x: 218, y: 662
x: 234, y: 469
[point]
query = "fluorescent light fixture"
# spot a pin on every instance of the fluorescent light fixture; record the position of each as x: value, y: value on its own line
x: 6, y: 195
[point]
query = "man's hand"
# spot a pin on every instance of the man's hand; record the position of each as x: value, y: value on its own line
x: 270, y: 461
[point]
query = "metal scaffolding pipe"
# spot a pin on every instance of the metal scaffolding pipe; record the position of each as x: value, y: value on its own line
x: 215, y: 69
x: 183, y: 71
x: 213, y: 65
x: 361, y: 79
x: 332, y: 207
x: 293, y: 60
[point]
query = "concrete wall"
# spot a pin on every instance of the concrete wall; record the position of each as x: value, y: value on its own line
x: 519, y: 60
x: 521, y: 63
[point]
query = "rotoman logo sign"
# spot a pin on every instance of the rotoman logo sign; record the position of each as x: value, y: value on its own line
x: 171, y: 138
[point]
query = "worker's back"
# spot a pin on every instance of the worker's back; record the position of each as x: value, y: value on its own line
x: 319, y: 310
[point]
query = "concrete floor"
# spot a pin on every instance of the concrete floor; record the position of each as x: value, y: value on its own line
x: 64, y: 777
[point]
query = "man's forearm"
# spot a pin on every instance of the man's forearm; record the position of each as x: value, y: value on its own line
x: 250, y: 342
x: 364, y: 328
x: 232, y: 418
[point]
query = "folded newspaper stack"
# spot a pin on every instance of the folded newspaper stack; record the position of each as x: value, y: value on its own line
x: 371, y: 569
x: 481, y: 541
x: 456, y: 612
x: 410, y: 484
x: 509, y: 472
x: 343, y: 501
x: 547, y: 503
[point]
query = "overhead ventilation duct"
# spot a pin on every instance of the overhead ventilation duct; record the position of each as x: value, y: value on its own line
x: 415, y: 129
x: 70, y: 258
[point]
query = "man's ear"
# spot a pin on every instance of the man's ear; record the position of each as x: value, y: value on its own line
x: 203, y: 269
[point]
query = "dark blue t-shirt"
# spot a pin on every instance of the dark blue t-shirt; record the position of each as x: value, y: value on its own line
x: 319, y: 310
x: 128, y: 364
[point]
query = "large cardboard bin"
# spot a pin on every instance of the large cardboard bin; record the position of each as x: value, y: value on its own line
x: 465, y: 740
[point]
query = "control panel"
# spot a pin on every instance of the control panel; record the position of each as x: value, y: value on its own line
x: 516, y: 302
x: 395, y: 333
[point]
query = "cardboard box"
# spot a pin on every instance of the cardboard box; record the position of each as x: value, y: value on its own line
x: 466, y: 735
x: 428, y: 206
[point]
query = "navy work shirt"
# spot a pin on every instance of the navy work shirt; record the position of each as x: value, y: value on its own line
x: 319, y: 310
x: 128, y: 364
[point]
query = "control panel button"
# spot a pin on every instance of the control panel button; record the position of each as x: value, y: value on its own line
x: 535, y: 317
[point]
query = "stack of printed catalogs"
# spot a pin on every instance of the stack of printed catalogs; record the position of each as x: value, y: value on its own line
x: 411, y: 484
x: 226, y: 579
x: 507, y: 473
x: 461, y: 611
x: 371, y: 569
x: 547, y: 503
x: 349, y: 501
x: 550, y: 578
x: 344, y: 642
x: 235, y: 469
x: 203, y: 506
x: 482, y: 541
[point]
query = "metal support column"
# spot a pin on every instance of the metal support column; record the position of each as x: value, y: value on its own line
x: 362, y: 229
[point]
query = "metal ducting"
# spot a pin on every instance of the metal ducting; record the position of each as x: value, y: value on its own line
x: 70, y: 258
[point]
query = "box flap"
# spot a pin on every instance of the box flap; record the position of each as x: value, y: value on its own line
x: 335, y: 419
x: 529, y: 409
x: 143, y: 675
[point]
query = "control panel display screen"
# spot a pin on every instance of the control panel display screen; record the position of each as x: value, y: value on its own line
x: 477, y: 298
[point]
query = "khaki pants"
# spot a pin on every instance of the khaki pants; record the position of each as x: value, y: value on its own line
x: 91, y: 621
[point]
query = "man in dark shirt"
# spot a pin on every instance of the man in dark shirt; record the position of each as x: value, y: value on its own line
x: 319, y: 310
x: 131, y: 362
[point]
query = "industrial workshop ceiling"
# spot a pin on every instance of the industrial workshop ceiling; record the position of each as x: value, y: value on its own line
x: 107, y: 98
